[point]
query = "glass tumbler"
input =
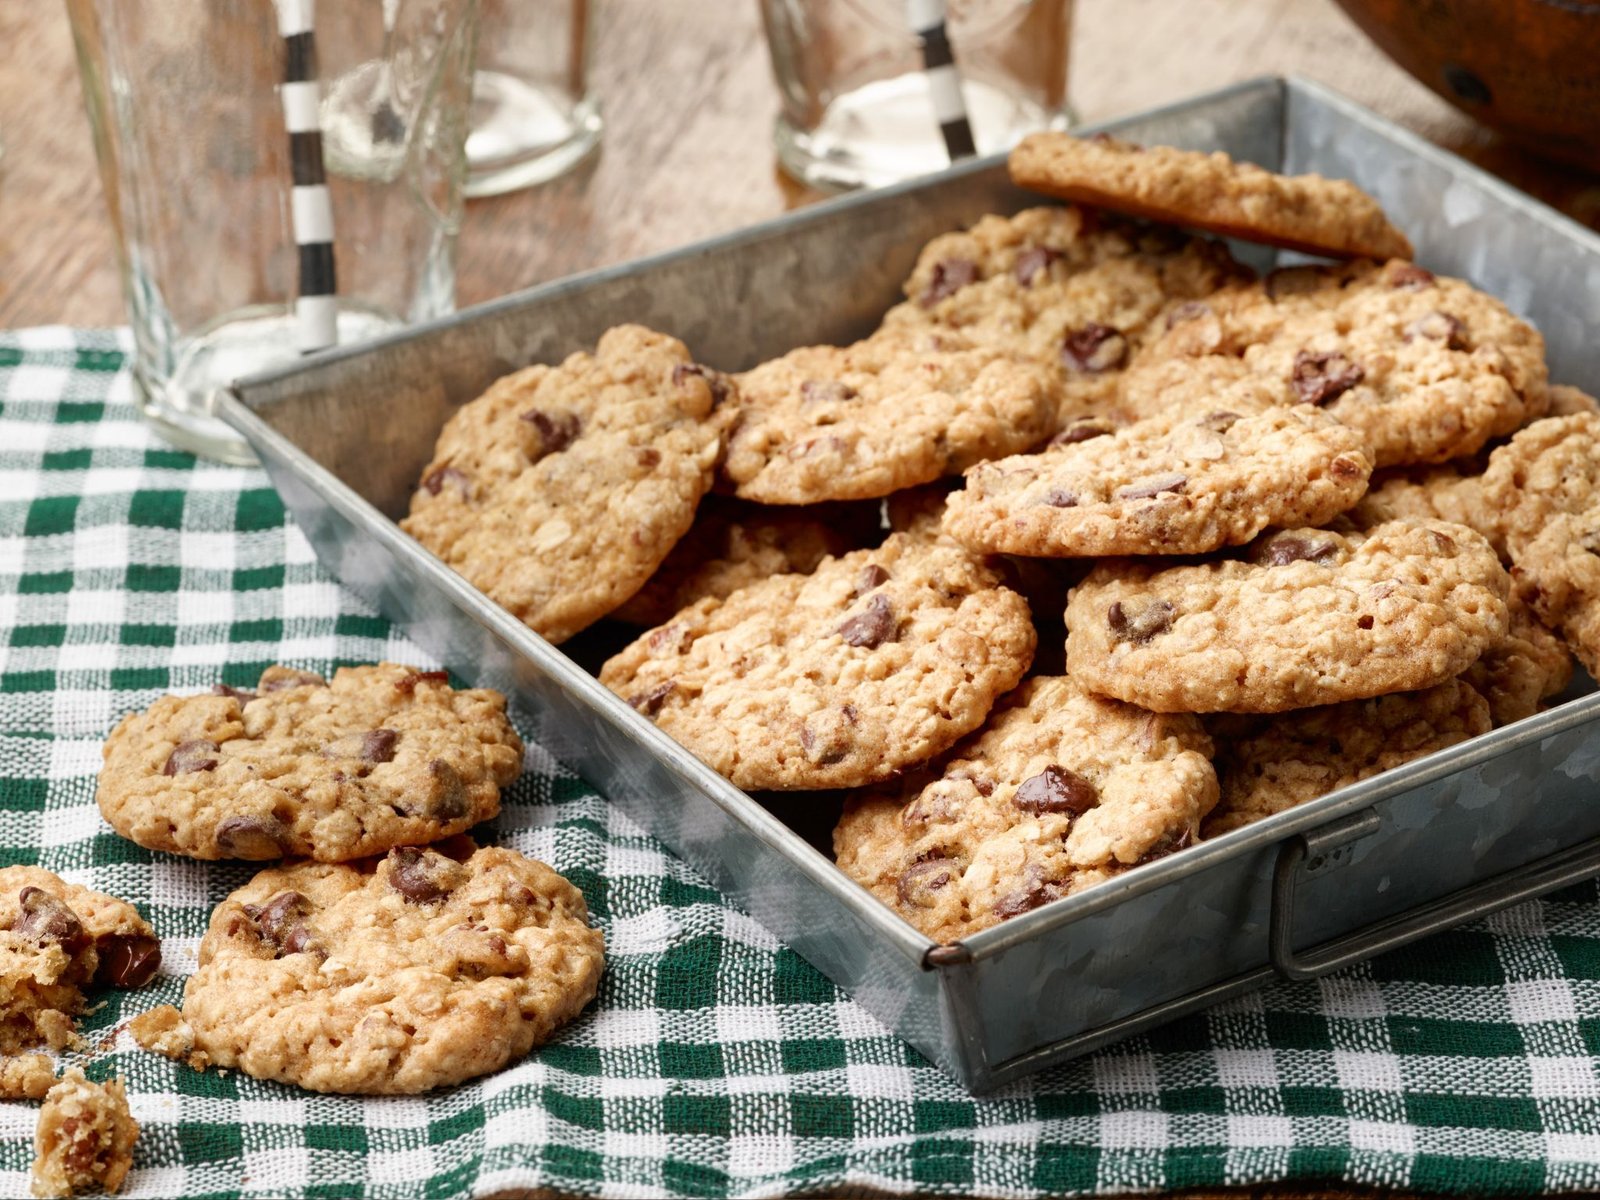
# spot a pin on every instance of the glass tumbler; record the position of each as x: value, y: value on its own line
x: 532, y: 114
x: 185, y: 104
x: 857, y: 109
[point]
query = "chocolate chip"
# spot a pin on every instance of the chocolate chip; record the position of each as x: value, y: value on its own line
x: 1014, y: 904
x: 1056, y: 790
x: 826, y: 391
x: 715, y: 380
x: 1169, y: 843
x: 1189, y: 310
x: 47, y: 921
x: 447, y: 794
x: 871, y: 628
x: 377, y: 745
x: 1142, y: 624
x: 649, y: 456
x: 872, y: 575
x: 672, y: 638
x: 1060, y: 498
x: 1032, y: 262
x: 949, y: 277
x: 649, y: 703
x: 197, y: 754
x: 406, y: 685
x: 253, y: 838
x: 1438, y: 326
x: 277, y: 679
x: 1411, y: 278
x: 1219, y: 422
x: 1346, y: 467
x: 1364, y: 622
x: 435, y: 480
x: 1094, y: 348
x: 920, y: 880
x: 239, y: 694
x: 834, y: 751
x: 1081, y: 431
x: 127, y: 961
x: 421, y: 876
x: 1157, y: 485
x: 556, y: 429
x: 1319, y: 378
x: 1444, y: 542
x: 281, y: 923
x: 1289, y: 548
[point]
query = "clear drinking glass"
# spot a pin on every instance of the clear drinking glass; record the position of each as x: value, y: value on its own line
x: 857, y: 110
x: 532, y: 114
x: 189, y: 129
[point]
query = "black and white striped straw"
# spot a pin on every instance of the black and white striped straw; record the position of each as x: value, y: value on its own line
x: 944, y: 81
x: 315, y: 308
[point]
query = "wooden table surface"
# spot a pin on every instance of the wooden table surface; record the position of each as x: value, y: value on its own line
x: 687, y: 153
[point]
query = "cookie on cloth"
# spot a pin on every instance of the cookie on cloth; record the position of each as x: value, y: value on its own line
x: 733, y: 544
x: 1164, y: 486
x: 56, y: 940
x: 1212, y: 191
x: 382, y: 756
x: 84, y: 1138
x: 1310, y: 617
x: 560, y: 490
x: 1545, y: 486
x: 390, y: 978
x: 1268, y: 764
x: 892, y: 411
x: 1059, y: 790
x: 874, y: 662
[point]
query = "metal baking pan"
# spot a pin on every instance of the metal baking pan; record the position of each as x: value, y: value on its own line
x: 1472, y: 828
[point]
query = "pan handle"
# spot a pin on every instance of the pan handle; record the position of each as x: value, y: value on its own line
x: 1558, y: 870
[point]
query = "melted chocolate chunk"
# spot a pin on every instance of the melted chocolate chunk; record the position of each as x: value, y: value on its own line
x: 47, y: 921
x: 871, y: 628
x: 1035, y: 895
x: 1146, y: 489
x: 421, y: 876
x: 949, y: 277
x: 253, y: 838
x: 1033, y: 262
x: 557, y: 429
x: 447, y: 797
x: 918, y: 882
x: 377, y: 745
x: 826, y: 391
x: 872, y: 575
x: 1323, y: 377
x: 1411, y: 278
x: 433, y: 482
x: 1288, y: 548
x: 198, y: 754
x: 1142, y: 624
x: 649, y: 703
x: 1094, y: 348
x: 127, y: 961
x: 715, y: 380
x: 406, y: 685
x: 281, y: 923
x: 1438, y: 326
x: 1056, y: 790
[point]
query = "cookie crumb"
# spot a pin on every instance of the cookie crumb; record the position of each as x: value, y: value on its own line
x: 84, y: 1139
x: 26, y: 1076
x: 163, y: 1031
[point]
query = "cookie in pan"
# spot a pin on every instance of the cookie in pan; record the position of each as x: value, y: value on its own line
x: 1213, y: 192
x: 379, y: 756
x: 1307, y: 617
x: 560, y: 490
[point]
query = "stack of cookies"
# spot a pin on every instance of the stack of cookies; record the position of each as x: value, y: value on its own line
x: 1099, y: 545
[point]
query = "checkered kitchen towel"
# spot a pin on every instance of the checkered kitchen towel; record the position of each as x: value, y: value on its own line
x: 715, y: 1061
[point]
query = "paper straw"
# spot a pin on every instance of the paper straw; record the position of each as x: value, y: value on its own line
x: 944, y: 81
x: 315, y: 308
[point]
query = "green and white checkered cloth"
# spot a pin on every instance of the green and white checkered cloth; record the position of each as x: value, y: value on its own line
x: 715, y: 1061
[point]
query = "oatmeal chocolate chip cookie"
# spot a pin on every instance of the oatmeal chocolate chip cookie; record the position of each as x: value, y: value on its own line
x: 559, y: 490
x: 859, y: 422
x: 1313, y: 617
x: 1557, y: 575
x: 1269, y: 764
x: 1059, y: 790
x: 383, y: 756
x: 1209, y: 191
x: 1523, y: 669
x: 1070, y: 288
x: 1426, y: 368
x: 734, y: 544
x: 84, y: 1139
x: 1164, y: 487
x: 873, y: 663
x: 57, y: 939
x: 1448, y: 492
x: 418, y: 971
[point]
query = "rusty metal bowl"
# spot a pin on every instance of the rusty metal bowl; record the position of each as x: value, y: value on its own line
x: 1528, y: 68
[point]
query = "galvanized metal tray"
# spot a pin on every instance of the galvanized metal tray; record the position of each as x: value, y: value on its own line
x: 1367, y: 868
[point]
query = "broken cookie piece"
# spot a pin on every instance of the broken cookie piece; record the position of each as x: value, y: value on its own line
x: 84, y: 1139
